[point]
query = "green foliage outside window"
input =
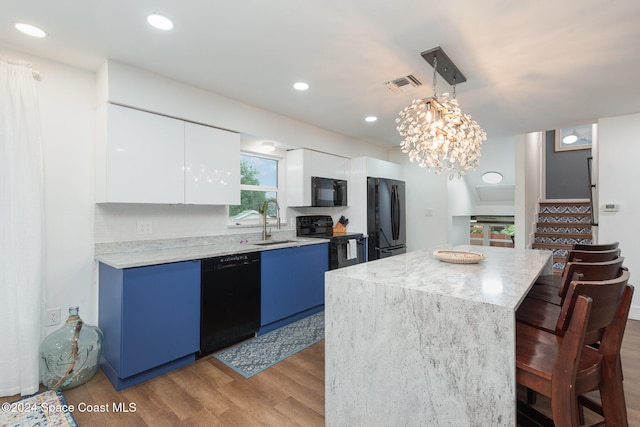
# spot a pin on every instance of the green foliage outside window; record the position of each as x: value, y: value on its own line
x: 252, y: 200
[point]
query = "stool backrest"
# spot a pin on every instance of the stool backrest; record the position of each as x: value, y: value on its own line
x: 592, y: 256
x: 605, y: 296
x: 589, y: 271
x: 598, y: 247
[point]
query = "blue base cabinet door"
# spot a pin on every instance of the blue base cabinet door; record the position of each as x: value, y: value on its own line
x: 150, y: 317
x: 292, y: 282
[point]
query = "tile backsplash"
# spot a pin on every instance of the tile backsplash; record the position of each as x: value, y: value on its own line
x: 119, y: 222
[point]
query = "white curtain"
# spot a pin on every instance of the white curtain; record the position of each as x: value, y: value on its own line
x: 21, y: 230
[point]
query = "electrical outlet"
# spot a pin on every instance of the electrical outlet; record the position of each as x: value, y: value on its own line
x: 145, y: 227
x: 53, y: 317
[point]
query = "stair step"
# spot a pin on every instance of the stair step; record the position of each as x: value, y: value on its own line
x: 558, y: 260
x: 563, y: 240
x: 583, y: 219
x: 564, y: 214
x: 556, y: 248
x: 564, y: 225
x: 559, y: 256
x: 565, y: 209
x: 558, y: 202
x: 559, y: 235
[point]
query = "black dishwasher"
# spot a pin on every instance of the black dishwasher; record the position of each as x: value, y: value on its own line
x: 230, y: 300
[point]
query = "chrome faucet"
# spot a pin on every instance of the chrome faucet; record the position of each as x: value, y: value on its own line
x: 264, y: 212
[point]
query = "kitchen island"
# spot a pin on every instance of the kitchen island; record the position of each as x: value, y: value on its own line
x: 414, y: 341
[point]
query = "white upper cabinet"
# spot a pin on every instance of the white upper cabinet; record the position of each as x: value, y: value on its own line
x: 149, y: 158
x: 144, y: 157
x: 382, y: 169
x: 302, y: 164
x: 327, y: 165
x: 212, y: 165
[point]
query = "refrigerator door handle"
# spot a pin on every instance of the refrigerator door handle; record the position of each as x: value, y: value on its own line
x: 395, y: 217
x: 398, y: 214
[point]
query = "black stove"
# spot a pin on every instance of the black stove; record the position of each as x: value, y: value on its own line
x: 345, y: 249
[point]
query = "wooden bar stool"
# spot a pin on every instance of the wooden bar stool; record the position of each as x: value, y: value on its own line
x: 548, y: 315
x: 576, y: 255
x: 562, y: 367
x: 596, y: 247
x: 548, y: 288
x: 611, y: 386
x: 554, y: 292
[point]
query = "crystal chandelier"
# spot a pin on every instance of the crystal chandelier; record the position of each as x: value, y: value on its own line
x: 437, y: 134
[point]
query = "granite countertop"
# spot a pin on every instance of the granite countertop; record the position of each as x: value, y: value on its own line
x: 502, y: 279
x: 151, y: 252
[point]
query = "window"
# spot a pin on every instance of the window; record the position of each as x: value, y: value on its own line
x: 258, y: 183
x: 491, y: 234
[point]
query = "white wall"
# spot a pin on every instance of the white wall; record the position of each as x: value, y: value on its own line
x: 618, y: 173
x: 67, y: 99
x: 424, y: 190
x: 497, y: 155
x: 528, y: 161
x: 460, y: 198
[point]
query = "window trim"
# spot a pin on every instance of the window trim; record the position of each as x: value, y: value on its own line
x: 280, y: 191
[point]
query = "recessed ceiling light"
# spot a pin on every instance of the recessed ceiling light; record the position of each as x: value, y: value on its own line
x: 30, y: 30
x: 492, y: 177
x: 371, y: 119
x: 160, y: 22
x: 301, y: 86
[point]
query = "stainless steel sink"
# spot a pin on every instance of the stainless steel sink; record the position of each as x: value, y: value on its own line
x: 273, y: 242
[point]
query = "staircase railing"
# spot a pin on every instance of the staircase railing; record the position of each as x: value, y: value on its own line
x: 592, y: 187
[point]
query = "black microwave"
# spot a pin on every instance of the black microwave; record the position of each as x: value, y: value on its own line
x: 328, y: 192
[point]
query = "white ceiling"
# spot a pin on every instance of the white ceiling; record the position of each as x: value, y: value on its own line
x: 530, y: 64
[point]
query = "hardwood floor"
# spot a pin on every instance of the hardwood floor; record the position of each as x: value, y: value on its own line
x: 291, y: 393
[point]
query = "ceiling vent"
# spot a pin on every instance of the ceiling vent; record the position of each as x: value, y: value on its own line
x: 403, y: 84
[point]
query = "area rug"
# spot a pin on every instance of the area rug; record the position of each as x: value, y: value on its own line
x: 47, y: 408
x: 257, y: 354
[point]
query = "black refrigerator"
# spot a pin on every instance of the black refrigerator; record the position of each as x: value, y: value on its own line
x: 386, y: 225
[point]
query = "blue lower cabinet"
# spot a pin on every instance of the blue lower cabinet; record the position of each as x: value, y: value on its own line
x: 292, y: 284
x: 150, y: 317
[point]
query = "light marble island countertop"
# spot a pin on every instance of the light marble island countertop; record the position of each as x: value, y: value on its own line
x: 414, y: 341
x: 162, y: 251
